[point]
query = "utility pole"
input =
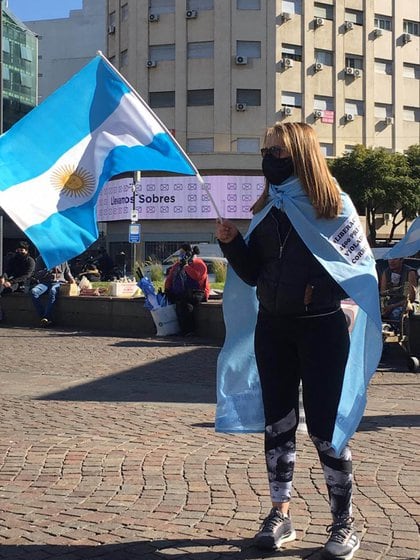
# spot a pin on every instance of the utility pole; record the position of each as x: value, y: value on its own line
x: 134, y: 234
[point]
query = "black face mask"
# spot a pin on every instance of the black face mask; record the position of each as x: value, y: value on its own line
x: 277, y: 170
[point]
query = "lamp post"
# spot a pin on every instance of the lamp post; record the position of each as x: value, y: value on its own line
x: 134, y: 226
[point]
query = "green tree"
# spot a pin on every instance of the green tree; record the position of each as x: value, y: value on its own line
x: 379, y: 181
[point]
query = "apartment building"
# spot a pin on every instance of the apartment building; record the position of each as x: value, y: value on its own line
x: 218, y: 72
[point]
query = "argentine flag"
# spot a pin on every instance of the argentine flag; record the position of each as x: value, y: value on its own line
x: 55, y: 161
x: 409, y: 244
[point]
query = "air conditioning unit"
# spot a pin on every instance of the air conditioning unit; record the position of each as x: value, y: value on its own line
x: 287, y: 62
x: 318, y: 113
x: 318, y: 66
x: 286, y: 16
x: 357, y: 73
x: 191, y: 14
x: 287, y: 111
x: 111, y: 29
x: 241, y: 60
x: 241, y: 106
x: 389, y: 120
x: 349, y: 71
x: 151, y: 64
x: 378, y: 32
x: 348, y: 25
x: 153, y: 18
x: 406, y: 38
x: 319, y: 21
x: 349, y: 117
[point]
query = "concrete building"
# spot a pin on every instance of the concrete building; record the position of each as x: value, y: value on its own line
x: 67, y: 44
x: 219, y: 72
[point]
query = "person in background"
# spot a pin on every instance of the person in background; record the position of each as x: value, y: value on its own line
x: 90, y: 270
x: 105, y: 264
x: 18, y: 270
x: 398, y: 284
x: 48, y: 281
x: 301, y: 332
x: 186, y: 285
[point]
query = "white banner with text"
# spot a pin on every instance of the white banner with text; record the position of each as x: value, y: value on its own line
x: 180, y: 198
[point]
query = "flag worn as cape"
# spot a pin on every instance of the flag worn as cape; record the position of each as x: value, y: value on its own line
x: 341, y: 247
x: 55, y: 161
x: 408, y: 245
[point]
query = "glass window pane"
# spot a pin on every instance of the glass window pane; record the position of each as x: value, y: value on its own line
x: 162, y: 6
x: 124, y: 12
x: 326, y: 149
x: 383, y: 66
x: 200, y: 5
x: 323, y: 103
x: 199, y: 97
x: 248, y: 4
x: 323, y: 10
x: 291, y: 99
x: 326, y: 57
x: 203, y: 49
x: 162, y: 99
x: 354, y: 107
x: 248, y: 145
x: 200, y: 145
x: 355, y: 16
x: 251, y: 97
x: 292, y: 6
x: 162, y: 52
x: 291, y: 51
x: 250, y: 49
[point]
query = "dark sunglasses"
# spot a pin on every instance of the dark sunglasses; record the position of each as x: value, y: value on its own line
x: 275, y: 151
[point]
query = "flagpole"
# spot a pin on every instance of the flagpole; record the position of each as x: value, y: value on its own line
x: 199, y: 177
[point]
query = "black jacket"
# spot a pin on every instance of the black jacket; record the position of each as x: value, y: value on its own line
x: 19, y: 269
x: 278, y: 262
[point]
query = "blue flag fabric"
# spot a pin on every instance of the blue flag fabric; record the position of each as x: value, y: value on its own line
x: 341, y: 247
x: 55, y: 161
x: 408, y: 245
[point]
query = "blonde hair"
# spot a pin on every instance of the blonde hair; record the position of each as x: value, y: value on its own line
x: 300, y: 140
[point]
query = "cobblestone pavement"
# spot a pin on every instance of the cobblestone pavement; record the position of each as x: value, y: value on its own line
x: 107, y: 451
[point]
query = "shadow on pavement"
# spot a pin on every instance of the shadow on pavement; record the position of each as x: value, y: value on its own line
x: 371, y: 423
x: 185, y: 378
x: 193, y: 549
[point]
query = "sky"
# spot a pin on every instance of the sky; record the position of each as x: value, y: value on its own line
x: 29, y: 10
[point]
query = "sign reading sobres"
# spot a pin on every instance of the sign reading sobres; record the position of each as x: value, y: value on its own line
x: 160, y: 198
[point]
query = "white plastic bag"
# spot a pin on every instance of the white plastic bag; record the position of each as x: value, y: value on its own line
x: 166, y: 320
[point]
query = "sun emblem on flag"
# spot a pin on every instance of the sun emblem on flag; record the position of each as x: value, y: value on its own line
x: 73, y: 180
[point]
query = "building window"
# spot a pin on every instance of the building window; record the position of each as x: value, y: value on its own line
x: 162, y: 99
x: 251, y: 97
x: 326, y: 57
x: 290, y: 99
x: 202, y: 49
x: 348, y: 148
x: 200, y: 97
x: 383, y: 22
x: 323, y: 10
x: 382, y: 111
x: 326, y: 149
x: 411, y: 114
x: 250, y: 49
x: 292, y: 6
x: 161, y: 6
x: 353, y: 61
x: 411, y: 71
x: 200, y: 145
x: 111, y: 19
x: 124, y: 58
x: 162, y: 52
x: 291, y: 51
x: 6, y: 74
x: 124, y: 12
x: 26, y: 80
x: 323, y: 103
x: 383, y: 66
x: 248, y: 145
x: 412, y: 27
x: 200, y: 5
x: 26, y: 53
x: 354, y: 107
x: 355, y: 16
x: 248, y: 4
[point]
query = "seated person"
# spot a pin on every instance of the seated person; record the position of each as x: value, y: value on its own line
x: 398, y: 284
x: 48, y: 282
x: 187, y: 285
x: 18, y: 270
x: 91, y: 272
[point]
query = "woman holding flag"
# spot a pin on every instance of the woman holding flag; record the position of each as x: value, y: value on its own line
x: 304, y: 252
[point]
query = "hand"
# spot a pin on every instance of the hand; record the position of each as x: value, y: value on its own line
x: 226, y: 231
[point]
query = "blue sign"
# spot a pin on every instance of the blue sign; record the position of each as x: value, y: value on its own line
x: 134, y: 233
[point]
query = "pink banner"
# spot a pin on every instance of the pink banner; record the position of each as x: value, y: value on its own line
x: 168, y: 198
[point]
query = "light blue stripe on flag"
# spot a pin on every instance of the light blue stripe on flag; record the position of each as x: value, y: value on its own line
x: 55, y: 161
